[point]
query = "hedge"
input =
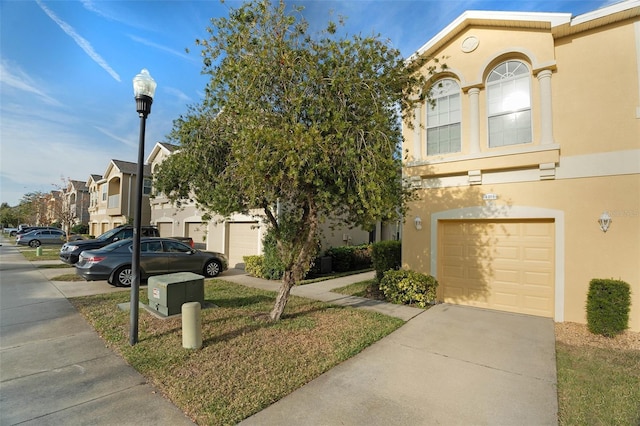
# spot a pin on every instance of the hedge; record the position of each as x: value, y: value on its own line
x: 608, y: 304
x: 409, y: 287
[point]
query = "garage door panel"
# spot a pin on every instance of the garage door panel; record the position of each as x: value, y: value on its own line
x: 198, y: 233
x: 507, y: 265
x: 243, y: 239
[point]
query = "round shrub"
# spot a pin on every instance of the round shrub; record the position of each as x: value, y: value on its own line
x: 253, y: 265
x: 409, y: 287
x: 386, y: 255
x: 608, y: 303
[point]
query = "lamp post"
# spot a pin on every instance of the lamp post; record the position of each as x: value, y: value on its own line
x: 144, y: 88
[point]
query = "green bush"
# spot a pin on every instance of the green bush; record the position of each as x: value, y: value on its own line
x: 409, y: 287
x: 80, y: 229
x: 272, y: 267
x: 386, y: 255
x: 608, y: 303
x: 350, y: 258
x: 253, y: 265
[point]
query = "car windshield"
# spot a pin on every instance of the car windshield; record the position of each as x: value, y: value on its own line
x: 107, y: 235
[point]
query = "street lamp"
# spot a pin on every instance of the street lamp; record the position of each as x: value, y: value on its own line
x: 144, y: 88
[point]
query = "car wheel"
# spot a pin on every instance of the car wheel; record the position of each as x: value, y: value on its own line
x: 12, y: 234
x: 212, y: 268
x: 123, y: 276
x: 34, y: 243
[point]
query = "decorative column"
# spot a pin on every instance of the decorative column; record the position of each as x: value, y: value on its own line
x: 417, y: 143
x: 546, y: 113
x: 474, y: 120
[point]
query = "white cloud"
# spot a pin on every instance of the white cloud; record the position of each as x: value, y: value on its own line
x: 80, y: 41
x: 149, y: 43
x: 179, y: 94
x: 16, y: 78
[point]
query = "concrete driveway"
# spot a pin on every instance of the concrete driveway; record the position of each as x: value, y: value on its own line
x: 451, y: 365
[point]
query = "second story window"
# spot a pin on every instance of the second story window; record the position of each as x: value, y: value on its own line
x: 443, y: 118
x: 146, y: 190
x: 509, y: 104
x: 104, y: 192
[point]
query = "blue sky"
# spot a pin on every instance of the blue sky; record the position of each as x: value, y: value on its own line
x: 66, y: 97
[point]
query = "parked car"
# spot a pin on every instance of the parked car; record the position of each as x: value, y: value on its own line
x: 25, y: 229
x: 11, y: 231
x: 38, y: 237
x: 157, y: 256
x: 70, y: 252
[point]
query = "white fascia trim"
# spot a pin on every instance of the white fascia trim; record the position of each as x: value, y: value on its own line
x: 608, y: 10
x: 499, y: 152
x: 510, y: 212
x: 636, y: 27
x: 554, y: 19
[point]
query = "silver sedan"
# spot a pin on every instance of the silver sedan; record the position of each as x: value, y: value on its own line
x: 38, y: 237
x: 157, y: 256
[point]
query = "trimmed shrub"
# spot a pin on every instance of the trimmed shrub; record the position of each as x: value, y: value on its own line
x: 350, y: 258
x: 80, y: 229
x: 386, y: 255
x: 272, y: 266
x: 409, y: 287
x: 608, y: 303
x: 253, y: 265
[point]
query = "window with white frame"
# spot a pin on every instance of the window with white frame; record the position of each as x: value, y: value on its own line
x: 443, y: 118
x: 104, y: 192
x: 509, y: 104
x: 146, y: 190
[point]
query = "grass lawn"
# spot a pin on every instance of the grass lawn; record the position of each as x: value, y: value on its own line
x: 598, y: 386
x: 48, y: 253
x: 246, y: 363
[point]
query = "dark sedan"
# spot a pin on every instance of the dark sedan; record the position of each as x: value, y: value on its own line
x: 157, y: 256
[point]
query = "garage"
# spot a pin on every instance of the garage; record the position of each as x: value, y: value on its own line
x: 165, y: 229
x: 198, y: 232
x: 242, y: 240
x: 507, y: 265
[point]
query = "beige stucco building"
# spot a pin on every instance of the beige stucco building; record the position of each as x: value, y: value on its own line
x: 239, y: 235
x: 112, y: 198
x: 533, y: 137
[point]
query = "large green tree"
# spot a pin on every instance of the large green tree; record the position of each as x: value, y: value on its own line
x: 310, y: 124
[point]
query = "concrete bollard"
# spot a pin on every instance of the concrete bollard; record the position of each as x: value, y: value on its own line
x: 39, y: 251
x: 191, y: 326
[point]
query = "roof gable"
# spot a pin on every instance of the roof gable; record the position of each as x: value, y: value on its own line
x: 558, y: 24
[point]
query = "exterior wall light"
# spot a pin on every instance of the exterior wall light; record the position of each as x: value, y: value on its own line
x: 605, y: 221
x: 418, y: 223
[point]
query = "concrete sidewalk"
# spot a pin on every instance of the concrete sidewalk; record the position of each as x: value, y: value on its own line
x: 55, y: 369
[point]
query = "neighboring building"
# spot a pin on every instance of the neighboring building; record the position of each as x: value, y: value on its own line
x: 53, y: 204
x: 77, y: 198
x: 113, y: 197
x: 239, y: 235
x: 534, y: 137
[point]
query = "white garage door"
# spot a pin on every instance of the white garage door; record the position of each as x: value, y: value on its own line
x: 198, y: 232
x: 243, y: 238
x: 165, y: 229
x: 504, y: 265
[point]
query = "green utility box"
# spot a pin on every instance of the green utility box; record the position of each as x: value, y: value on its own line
x: 168, y: 292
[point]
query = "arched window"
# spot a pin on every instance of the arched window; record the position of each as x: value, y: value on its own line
x: 443, y: 118
x: 509, y: 104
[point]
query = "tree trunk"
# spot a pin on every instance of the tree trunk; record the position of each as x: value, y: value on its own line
x: 283, y: 296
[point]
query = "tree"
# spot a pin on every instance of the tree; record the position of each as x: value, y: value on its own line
x: 308, y: 124
x: 33, y: 208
